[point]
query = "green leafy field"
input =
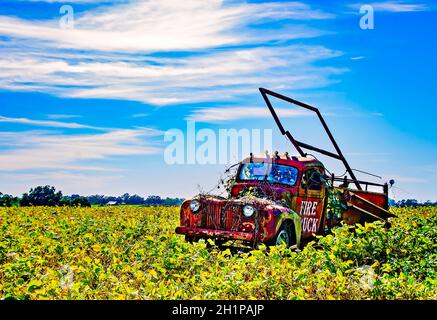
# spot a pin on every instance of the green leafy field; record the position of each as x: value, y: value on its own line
x: 133, y: 253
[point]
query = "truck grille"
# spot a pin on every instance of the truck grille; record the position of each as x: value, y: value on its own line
x: 220, y: 217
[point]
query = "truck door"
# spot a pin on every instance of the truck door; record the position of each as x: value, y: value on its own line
x: 310, y: 200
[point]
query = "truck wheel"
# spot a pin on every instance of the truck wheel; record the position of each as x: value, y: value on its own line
x: 284, y: 236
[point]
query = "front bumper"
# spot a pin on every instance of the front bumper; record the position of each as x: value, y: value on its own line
x: 212, y: 233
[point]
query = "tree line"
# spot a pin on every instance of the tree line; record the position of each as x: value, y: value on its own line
x: 411, y: 203
x: 48, y: 196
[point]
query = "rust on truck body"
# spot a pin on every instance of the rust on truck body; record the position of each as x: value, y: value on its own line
x: 282, y: 197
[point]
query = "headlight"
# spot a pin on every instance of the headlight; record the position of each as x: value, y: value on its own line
x: 194, y: 206
x: 248, y: 210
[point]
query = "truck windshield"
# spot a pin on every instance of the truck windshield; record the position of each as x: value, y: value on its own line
x: 275, y: 173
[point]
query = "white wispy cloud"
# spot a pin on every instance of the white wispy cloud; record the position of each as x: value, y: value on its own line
x: 223, y: 114
x: 69, y: 152
x: 147, y: 26
x: 49, y: 123
x: 63, y: 116
x: 75, y: 1
x: 99, y: 58
x: 228, y: 114
x: 210, y: 76
x: 393, y: 6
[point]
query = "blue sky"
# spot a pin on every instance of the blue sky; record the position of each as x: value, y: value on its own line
x: 85, y: 109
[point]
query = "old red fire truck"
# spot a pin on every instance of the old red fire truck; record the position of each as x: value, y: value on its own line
x: 282, y: 199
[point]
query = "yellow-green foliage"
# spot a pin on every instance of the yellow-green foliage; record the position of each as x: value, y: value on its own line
x: 133, y: 253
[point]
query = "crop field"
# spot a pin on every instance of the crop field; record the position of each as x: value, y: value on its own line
x: 131, y: 252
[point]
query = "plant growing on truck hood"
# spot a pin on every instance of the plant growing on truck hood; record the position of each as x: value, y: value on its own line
x: 255, y: 198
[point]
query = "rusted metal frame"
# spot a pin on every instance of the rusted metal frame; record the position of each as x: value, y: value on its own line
x: 385, y: 186
x: 333, y: 179
x: 326, y: 153
x: 359, y: 181
x: 299, y: 145
x: 278, y: 122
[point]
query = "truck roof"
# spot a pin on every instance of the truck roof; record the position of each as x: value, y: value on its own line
x: 286, y: 159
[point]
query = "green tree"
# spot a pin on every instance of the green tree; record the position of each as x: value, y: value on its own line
x: 7, y: 200
x: 80, y: 202
x: 42, y: 196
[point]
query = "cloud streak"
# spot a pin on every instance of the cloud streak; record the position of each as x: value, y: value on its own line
x: 62, y: 116
x: 49, y: 123
x: 213, y: 115
x: 394, y: 6
x: 75, y: 1
x: 165, y: 25
x: 121, y: 51
x: 69, y: 152
x: 210, y: 76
